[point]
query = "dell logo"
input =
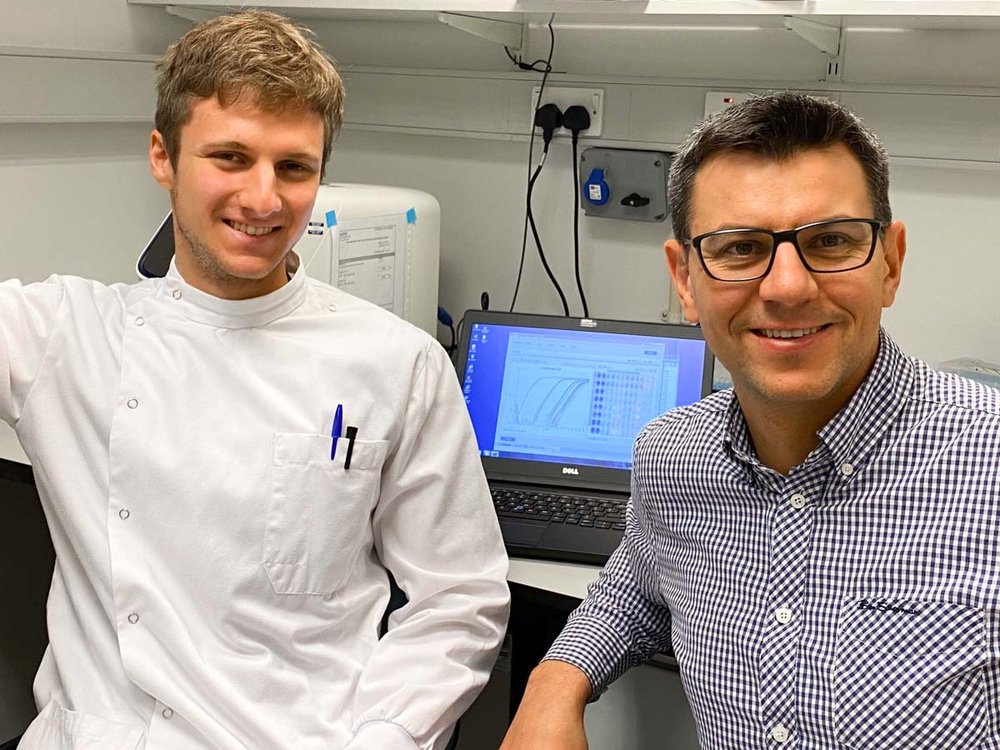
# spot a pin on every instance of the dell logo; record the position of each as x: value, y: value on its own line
x: 571, y: 470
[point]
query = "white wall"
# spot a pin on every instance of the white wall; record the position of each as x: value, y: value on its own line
x: 90, y: 25
x: 481, y: 187
x: 77, y: 199
x: 948, y: 305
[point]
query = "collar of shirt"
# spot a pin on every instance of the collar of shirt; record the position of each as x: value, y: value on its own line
x: 856, y: 428
x: 201, y: 307
x: 850, y: 435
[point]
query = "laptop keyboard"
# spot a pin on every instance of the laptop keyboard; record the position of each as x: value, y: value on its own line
x: 596, y: 512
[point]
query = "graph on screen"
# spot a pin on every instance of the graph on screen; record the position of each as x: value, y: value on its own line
x: 561, y: 395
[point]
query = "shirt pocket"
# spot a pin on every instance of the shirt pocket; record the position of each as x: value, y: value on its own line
x: 909, y: 674
x: 318, y: 516
x: 58, y: 728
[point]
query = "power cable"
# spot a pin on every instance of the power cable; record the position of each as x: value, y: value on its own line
x: 531, y: 146
x: 576, y: 119
x: 538, y: 241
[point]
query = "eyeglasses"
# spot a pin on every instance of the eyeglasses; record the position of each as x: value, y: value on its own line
x: 824, y: 247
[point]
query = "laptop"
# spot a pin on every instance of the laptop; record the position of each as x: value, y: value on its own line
x: 556, y: 403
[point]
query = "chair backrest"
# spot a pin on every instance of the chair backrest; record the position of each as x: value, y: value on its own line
x: 26, y: 562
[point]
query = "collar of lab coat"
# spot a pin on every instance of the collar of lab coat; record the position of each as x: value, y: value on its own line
x: 226, y: 313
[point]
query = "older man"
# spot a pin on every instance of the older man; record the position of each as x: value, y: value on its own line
x: 819, y: 543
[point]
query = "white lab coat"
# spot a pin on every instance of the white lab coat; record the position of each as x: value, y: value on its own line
x: 220, y: 580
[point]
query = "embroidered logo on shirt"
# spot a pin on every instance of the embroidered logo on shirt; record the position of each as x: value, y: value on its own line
x: 884, y: 605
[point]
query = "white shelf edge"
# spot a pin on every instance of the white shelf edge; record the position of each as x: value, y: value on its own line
x: 900, y: 159
x: 933, y: 8
x: 560, y: 79
x: 63, y: 53
x: 74, y: 119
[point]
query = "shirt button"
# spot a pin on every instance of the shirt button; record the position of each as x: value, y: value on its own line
x: 124, y: 514
x: 846, y: 469
x: 168, y: 713
x: 797, y: 501
x: 783, y: 615
x: 331, y: 307
x: 779, y: 734
x: 133, y: 618
x: 139, y: 321
x: 132, y: 403
x: 176, y: 294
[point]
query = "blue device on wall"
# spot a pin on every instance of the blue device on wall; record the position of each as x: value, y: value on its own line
x: 596, y: 190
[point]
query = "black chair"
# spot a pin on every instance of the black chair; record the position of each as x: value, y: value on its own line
x: 26, y: 561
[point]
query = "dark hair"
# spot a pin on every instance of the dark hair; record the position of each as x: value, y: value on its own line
x: 255, y: 56
x: 777, y: 126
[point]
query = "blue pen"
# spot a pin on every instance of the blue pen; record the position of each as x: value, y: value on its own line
x: 337, y: 431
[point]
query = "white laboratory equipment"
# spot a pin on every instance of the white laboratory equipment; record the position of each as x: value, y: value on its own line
x: 379, y: 243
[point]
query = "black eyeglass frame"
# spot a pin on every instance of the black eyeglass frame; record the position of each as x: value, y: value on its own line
x: 789, y: 235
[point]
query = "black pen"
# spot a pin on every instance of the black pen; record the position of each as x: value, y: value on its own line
x: 352, y: 432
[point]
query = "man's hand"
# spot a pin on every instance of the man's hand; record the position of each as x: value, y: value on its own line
x: 550, y: 716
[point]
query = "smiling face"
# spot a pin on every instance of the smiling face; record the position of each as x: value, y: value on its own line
x: 242, y: 188
x: 794, y: 340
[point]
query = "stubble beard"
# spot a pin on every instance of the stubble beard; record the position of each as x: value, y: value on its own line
x: 208, y: 262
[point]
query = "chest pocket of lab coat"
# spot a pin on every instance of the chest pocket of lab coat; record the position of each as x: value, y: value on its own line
x: 319, y: 513
x: 909, y: 674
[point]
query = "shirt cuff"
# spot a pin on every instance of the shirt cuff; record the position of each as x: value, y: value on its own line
x: 589, y: 645
x: 381, y: 735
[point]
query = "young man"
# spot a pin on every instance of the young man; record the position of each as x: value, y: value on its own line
x: 819, y: 544
x: 232, y: 458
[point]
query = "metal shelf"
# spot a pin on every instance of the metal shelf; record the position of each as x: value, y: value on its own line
x: 930, y: 11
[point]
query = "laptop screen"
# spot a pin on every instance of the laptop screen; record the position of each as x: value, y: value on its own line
x: 553, y: 393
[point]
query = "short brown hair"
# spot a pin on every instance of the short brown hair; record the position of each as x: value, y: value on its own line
x: 777, y: 126
x: 253, y: 56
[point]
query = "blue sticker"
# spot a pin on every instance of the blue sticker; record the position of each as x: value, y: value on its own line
x: 331, y: 218
x: 411, y: 216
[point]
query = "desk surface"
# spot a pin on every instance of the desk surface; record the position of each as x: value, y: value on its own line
x: 571, y: 579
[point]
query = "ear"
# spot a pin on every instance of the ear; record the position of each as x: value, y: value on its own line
x: 894, y: 252
x: 159, y: 161
x: 680, y: 275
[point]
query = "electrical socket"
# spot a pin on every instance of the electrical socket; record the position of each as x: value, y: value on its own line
x: 716, y: 101
x: 565, y: 97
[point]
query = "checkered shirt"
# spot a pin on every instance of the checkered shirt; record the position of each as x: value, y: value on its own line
x: 854, y: 603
